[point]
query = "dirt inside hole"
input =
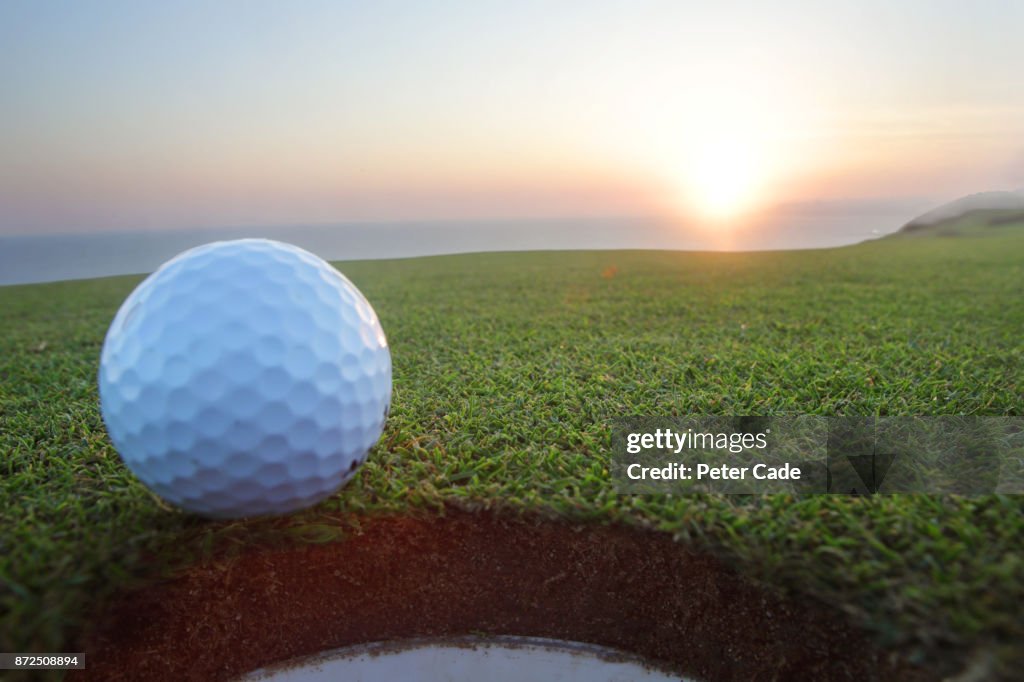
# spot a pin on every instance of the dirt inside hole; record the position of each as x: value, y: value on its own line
x: 471, y: 574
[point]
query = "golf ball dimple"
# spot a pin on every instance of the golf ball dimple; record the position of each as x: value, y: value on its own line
x: 245, y: 378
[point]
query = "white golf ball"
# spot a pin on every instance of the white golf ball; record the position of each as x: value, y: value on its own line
x: 245, y: 378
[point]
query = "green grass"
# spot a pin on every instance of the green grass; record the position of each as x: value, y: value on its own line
x: 508, y: 369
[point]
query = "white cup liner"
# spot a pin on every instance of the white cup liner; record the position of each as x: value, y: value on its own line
x: 467, y: 659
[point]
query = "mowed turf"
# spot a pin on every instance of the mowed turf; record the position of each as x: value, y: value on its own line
x: 507, y: 371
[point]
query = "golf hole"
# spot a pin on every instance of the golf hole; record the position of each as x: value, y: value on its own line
x: 467, y: 659
x: 486, y: 592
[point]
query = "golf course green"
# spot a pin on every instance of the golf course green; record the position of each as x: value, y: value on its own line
x: 508, y: 370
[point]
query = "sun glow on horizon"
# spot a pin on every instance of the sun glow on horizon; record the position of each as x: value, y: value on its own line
x: 733, y: 140
x: 724, y: 176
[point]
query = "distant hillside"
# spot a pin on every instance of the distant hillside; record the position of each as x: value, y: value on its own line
x: 969, y: 214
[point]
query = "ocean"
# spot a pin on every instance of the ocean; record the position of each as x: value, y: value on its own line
x: 44, y: 258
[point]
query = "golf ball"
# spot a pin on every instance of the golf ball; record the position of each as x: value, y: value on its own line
x: 245, y: 378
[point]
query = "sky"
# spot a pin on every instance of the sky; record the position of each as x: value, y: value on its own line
x: 127, y: 116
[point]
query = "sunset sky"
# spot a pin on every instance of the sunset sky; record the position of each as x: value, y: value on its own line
x: 163, y: 115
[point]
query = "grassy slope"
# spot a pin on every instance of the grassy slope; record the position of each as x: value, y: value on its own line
x: 978, y: 223
x: 507, y: 370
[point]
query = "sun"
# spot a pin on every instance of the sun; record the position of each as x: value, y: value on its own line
x: 724, y: 173
x: 724, y: 149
